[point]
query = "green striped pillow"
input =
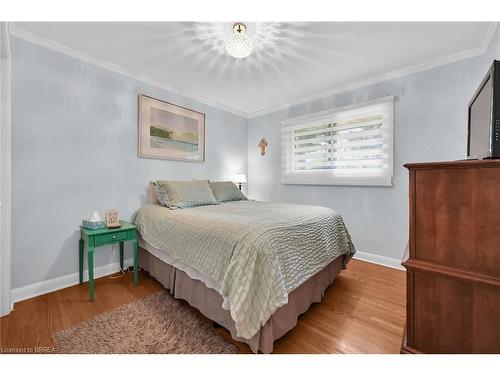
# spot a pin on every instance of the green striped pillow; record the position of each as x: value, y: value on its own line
x: 184, y: 194
x: 225, y: 191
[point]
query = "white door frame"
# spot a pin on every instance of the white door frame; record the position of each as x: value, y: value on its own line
x: 5, y: 181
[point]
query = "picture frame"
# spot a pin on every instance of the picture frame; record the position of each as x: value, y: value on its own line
x: 169, y: 131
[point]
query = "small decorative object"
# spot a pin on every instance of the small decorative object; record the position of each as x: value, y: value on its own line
x: 167, y: 131
x: 240, y: 178
x: 263, y: 145
x: 112, y: 219
x: 94, y: 222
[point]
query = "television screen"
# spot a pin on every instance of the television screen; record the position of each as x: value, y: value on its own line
x: 480, y: 123
x: 484, y: 117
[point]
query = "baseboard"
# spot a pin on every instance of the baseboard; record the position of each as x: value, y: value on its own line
x: 378, y: 259
x: 47, y: 286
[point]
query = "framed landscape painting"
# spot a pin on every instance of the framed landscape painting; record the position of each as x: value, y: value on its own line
x: 168, y: 131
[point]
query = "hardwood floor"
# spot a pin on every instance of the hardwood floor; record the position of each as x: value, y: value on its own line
x: 362, y: 312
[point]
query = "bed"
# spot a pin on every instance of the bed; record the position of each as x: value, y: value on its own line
x: 252, y: 267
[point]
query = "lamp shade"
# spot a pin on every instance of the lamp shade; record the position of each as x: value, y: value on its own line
x: 240, y: 178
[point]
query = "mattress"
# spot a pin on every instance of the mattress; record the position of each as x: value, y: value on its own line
x: 253, y: 254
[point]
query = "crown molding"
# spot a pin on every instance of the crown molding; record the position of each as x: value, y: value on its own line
x: 57, y: 47
x: 388, y: 76
x: 47, y: 43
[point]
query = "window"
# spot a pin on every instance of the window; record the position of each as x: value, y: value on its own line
x: 349, y: 146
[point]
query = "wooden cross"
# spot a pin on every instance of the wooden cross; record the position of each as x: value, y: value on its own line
x: 263, y: 145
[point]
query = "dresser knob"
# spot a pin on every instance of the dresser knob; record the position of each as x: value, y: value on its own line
x: 114, y: 237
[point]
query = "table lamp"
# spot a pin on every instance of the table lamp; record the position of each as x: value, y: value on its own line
x: 240, y: 178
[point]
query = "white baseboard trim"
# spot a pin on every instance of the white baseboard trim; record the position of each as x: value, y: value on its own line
x: 47, y: 286
x: 378, y: 259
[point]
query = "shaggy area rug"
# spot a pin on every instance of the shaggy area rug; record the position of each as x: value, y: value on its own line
x: 156, y: 324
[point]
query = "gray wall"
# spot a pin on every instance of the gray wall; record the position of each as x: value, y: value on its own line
x: 74, y: 150
x: 430, y: 125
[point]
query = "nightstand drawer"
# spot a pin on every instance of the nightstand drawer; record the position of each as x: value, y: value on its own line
x: 111, y: 238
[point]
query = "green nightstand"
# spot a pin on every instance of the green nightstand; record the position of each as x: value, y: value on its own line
x: 103, y: 237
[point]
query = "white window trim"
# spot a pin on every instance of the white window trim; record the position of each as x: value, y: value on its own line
x: 5, y: 180
x: 323, y: 177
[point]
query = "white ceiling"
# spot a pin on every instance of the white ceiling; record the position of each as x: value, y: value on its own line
x: 291, y: 61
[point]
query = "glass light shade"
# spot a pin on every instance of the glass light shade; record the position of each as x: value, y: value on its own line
x: 239, y: 45
x: 240, y: 178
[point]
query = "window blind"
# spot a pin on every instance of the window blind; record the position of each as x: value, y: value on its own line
x: 349, y: 146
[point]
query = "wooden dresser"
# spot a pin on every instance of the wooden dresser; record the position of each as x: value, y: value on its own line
x: 453, y: 268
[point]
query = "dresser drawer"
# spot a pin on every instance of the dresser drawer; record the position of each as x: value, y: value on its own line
x: 456, y: 219
x: 111, y: 238
x: 452, y: 315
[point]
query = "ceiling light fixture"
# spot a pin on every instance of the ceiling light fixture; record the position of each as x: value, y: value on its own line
x: 239, y: 45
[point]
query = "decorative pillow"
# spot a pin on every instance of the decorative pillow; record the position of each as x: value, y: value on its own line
x: 184, y: 194
x: 226, y: 191
x: 159, y: 192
